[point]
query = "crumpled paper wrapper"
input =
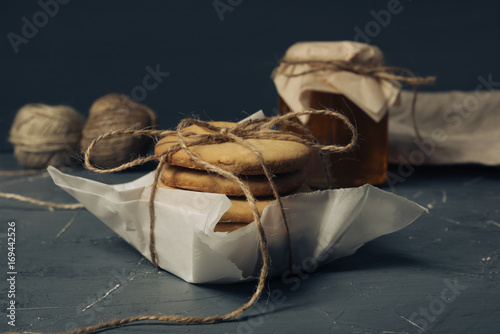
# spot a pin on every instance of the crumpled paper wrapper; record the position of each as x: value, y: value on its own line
x: 324, y: 226
x: 372, y: 95
x: 456, y: 127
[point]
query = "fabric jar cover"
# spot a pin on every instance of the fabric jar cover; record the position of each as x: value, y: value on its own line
x: 304, y: 68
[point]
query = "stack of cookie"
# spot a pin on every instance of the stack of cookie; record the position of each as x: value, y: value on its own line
x: 285, y: 160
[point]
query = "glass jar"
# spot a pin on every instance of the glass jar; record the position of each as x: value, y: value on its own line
x: 367, y: 163
x: 342, y: 76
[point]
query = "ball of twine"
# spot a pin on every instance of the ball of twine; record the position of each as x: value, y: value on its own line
x: 45, y: 135
x: 115, y: 112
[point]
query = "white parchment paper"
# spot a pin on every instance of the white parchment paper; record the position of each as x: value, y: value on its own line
x: 324, y: 225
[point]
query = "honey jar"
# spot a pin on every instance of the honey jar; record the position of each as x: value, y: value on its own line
x: 309, y: 78
x: 367, y: 163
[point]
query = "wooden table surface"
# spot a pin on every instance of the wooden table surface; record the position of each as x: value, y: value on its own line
x: 440, y: 274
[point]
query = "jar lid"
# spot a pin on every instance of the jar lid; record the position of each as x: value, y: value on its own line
x: 342, y: 67
x: 354, y: 52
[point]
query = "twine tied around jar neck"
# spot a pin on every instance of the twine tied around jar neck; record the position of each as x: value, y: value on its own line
x: 378, y: 71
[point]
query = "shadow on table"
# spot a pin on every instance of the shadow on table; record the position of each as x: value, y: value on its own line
x: 372, y: 256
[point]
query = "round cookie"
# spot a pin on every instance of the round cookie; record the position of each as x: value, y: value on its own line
x: 239, y: 211
x: 280, y: 156
x: 194, y: 179
x: 228, y: 227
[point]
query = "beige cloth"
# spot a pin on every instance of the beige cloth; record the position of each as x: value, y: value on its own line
x: 372, y: 95
x: 456, y: 127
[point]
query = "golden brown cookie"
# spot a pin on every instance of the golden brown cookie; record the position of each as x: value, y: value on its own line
x: 228, y: 227
x: 194, y: 179
x: 280, y: 156
x: 240, y: 211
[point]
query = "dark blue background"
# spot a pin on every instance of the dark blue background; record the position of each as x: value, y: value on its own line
x: 219, y: 68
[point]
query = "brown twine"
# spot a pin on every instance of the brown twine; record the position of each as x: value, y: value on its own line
x: 111, y: 112
x: 21, y: 198
x: 52, y: 205
x: 378, y: 72
x: 261, y: 129
x: 24, y: 172
x: 45, y: 135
